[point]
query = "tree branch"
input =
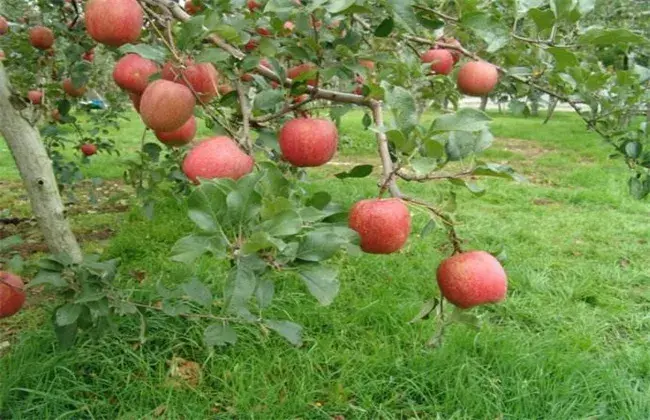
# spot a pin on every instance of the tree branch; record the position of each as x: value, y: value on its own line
x: 431, y: 176
x: 388, y: 177
x: 245, y: 112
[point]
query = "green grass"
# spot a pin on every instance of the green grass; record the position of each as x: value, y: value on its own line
x: 570, y: 342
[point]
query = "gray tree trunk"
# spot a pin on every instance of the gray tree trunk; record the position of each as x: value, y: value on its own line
x: 551, y: 109
x: 36, y: 172
x: 484, y: 102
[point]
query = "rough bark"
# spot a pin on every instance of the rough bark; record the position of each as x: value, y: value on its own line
x: 36, y: 171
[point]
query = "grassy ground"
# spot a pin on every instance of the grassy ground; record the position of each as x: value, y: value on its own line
x: 571, y: 341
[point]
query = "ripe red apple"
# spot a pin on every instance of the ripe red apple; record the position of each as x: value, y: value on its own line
x: 35, y: 96
x: 477, y: 78
x: 41, y: 37
x: 369, y: 64
x: 263, y: 31
x: 251, y: 45
x: 114, y: 22
x: 12, y: 296
x: 472, y: 278
x: 296, y: 71
x: 71, y: 90
x: 180, y: 136
x: 383, y: 225
x: 135, y: 99
x: 166, y: 106
x: 217, y: 157
x: 308, y: 142
x: 225, y: 88
x: 89, y: 56
x: 88, y: 149
x: 191, y: 8
x: 4, y: 25
x: 203, y: 78
x: 253, y: 5
x: 442, y: 62
x: 132, y: 72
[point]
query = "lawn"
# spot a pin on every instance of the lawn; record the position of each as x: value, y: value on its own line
x: 570, y: 342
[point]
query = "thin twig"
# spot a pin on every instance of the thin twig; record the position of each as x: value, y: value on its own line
x: 449, y: 224
x: 432, y: 176
x: 245, y: 112
x: 384, y: 152
x: 285, y: 110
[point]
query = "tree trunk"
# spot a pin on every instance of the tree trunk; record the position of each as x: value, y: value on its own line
x: 36, y: 172
x: 551, y: 109
x: 484, y: 102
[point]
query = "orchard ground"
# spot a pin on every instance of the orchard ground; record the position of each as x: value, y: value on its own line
x: 571, y: 341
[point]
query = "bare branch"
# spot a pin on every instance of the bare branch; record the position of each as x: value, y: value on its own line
x: 441, y: 15
x: 245, y: 112
x: 287, y: 109
x: 432, y: 176
x: 388, y: 177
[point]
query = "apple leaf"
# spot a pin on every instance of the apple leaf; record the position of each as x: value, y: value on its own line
x: 219, y: 334
x: 291, y: 331
x: 359, y: 171
x: 321, y: 281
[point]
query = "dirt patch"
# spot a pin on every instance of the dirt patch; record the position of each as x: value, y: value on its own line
x: 528, y: 148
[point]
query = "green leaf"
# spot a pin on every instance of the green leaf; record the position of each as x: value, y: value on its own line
x: 338, y: 6
x: 291, y: 331
x: 462, y: 144
x: 10, y: 242
x: 213, y: 55
x: 428, y: 228
x: 425, y: 311
x: 423, y: 165
x: 523, y: 6
x: 611, y: 37
x: 219, y: 334
x: 152, y: 150
x: 496, y: 170
x: 318, y: 246
x: 563, y: 58
x: 319, y: 200
x: 150, y: 52
x: 465, y: 119
x: 321, y: 281
x: 495, y: 34
x: 283, y: 224
x: 207, y: 205
x: 197, y: 292
x: 264, y: 292
x: 638, y: 189
x: 257, y: 242
x: 404, y: 108
x: 544, y: 19
x: 241, y: 285
x: 188, y: 249
x: 472, y: 187
x: 359, y: 171
x: 385, y: 28
x: 68, y: 314
x: 52, y: 278
x: 403, y: 14
x: 66, y: 335
x: 175, y: 309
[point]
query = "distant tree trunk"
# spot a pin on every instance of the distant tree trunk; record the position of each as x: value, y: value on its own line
x: 36, y: 172
x: 484, y: 102
x: 551, y: 109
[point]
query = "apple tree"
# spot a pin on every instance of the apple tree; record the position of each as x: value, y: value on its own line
x: 273, y: 79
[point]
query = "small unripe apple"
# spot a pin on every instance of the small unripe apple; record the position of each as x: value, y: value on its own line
x: 217, y: 157
x: 178, y: 137
x: 442, y: 62
x: 132, y: 72
x: 471, y: 279
x: 35, y: 96
x: 307, y: 142
x: 289, y: 26
x: 70, y: 89
x: 253, y: 5
x: 296, y: 71
x: 114, y: 22
x: 41, y: 37
x: 88, y: 149
x: 383, y: 225
x: 4, y: 25
x: 12, y: 295
x: 477, y: 78
x: 166, y: 106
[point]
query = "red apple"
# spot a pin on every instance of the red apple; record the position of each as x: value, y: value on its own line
x: 308, y: 142
x: 369, y: 64
x: 203, y: 78
x: 217, y: 157
x: 114, y: 22
x: 2, y: 55
x: 4, y: 25
x: 454, y: 53
x: 135, y: 100
x: 263, y: 31
x: 41, y: 37
x: 70, y: 89
x: 89, y: 56
x: 56, y: 115
x: 35, y: 96
x: 88, y: 149
x: 251, y: 45
x: 225, y: 88
x: 12, y: 296
x: 132, y: 72
x: 477, y: 78
x: 383, y: 225
x: 296, y: 71
x: 180, y: 136
x: 289, y: 26
x: 166, y: 106
x: 253, y: 5
x: 193, y: 8
x: 442, y: 62
x: 472, y: 278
